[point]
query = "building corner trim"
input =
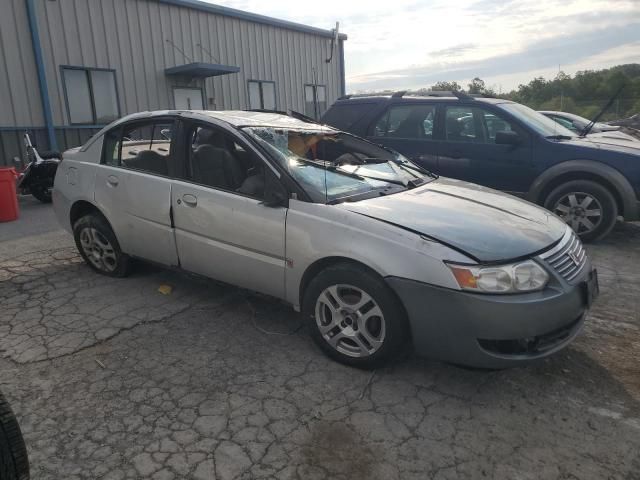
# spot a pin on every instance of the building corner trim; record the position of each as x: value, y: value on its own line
x: 343, y: 79
x: 42, y: 78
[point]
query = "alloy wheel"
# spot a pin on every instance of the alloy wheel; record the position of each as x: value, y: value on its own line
x: 98, y: 249
x: 582, y: 211
x: 350, y: 320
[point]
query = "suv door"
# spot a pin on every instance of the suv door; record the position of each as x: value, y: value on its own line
x: 223, y: 228
x: 469, y: 151
x: 133, y: 187
x: 409, y: 129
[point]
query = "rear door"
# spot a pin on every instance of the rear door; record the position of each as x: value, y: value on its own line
x: 223, y: 228
x: 409, y: 129
x: 133, y: 188
x: 469, y: 151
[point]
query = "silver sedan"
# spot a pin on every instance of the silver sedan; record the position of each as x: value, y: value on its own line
x: 373, y: 250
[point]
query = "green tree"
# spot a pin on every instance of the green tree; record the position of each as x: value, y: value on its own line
x: 446, y: 86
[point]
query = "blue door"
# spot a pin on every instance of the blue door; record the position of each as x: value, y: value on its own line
x: 469, y: 152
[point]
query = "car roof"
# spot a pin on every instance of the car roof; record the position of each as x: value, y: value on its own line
x: 235, y: 118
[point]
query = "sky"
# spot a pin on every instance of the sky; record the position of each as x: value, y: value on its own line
x: 407, y: 44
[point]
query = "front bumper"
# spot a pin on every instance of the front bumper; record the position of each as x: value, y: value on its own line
x: 492, y: 331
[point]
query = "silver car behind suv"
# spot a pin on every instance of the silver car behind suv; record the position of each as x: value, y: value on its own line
x: 370, y: 247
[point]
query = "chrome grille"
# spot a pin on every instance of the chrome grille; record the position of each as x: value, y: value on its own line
x: 568, y: 258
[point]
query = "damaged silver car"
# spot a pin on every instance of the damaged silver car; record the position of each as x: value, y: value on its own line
x: 373, y: 250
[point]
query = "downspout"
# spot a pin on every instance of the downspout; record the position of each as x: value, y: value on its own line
x: 343, y: 82
x: 42, y: 78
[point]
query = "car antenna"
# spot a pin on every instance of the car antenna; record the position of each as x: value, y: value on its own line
x: 591, y: 124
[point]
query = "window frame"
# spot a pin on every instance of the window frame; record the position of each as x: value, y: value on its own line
x: 261, y: 91
x: 88, y: 71
x: 174, y: 148
x: 315, y: 98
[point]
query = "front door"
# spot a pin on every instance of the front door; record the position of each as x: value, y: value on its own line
x: 222, y: 228
x: 469, y: 151
x: 408, y: 129
x: 187, y: 99
x: 133, y: 188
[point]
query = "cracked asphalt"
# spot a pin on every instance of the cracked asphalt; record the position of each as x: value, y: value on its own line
x: 111, y: 379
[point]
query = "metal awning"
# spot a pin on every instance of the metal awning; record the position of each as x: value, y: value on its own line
x: 202, y: 70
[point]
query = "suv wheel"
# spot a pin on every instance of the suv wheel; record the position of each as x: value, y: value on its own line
x: 14, y: 463
x: 354, y: 317
x: 586, y: 206
x: 99, y: 247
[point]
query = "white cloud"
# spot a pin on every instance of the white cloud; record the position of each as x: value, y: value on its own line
x: 390, y: 41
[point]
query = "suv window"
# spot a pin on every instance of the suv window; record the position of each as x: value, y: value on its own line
x: 217, y: 160
x: 473, y: 124
x: 141, y: 146
x: 345, y: 115
x: 407, y: 121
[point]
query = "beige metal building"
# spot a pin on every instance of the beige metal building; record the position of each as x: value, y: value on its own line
x: 67, y: 67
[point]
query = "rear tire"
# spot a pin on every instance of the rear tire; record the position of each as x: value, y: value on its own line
x: 14, y: 462
x: 42, y: 194
x: 587, y: 206
x: 354, y: 317
x: 99, y: 246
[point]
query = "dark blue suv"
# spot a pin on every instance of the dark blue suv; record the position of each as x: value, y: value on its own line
x: 504, y: 145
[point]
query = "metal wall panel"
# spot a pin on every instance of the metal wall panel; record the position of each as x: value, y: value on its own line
x: 137, y: 38
x: 19, y: 93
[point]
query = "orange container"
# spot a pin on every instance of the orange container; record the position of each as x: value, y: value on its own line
x: 8, y: 196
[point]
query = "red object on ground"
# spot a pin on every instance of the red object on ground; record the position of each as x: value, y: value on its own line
x: 8, y: 196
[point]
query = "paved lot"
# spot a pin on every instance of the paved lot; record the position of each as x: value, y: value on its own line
x: 112, y: 379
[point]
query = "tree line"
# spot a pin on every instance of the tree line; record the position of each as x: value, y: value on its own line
x: 584, y: 93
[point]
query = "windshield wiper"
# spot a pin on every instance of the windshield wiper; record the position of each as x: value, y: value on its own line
x: 412, y: 166
x: 558, y: 137
x: 333, y: 169
x: 395, y: 182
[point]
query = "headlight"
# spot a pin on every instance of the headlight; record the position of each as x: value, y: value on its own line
x: 525, y: 276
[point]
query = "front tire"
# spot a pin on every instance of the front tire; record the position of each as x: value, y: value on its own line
x: 586, y: 206
x: 14, y: 463
x: 354, y: 317
x: 99, y: 246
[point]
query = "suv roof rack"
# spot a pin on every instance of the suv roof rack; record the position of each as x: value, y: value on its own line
x: 402, y: 93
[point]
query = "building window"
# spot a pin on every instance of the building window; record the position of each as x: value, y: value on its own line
x: 91, y: 95
x: 315, y: 100
x: 262, y: 95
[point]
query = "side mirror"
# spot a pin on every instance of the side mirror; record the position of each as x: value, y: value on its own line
x: 507, y: 138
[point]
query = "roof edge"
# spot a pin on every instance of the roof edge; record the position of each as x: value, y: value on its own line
x: 251, y: 17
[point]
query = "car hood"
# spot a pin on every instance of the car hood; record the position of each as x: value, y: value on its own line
x: 599, y: 142
x: 615, y: 135
x: 486, y: 225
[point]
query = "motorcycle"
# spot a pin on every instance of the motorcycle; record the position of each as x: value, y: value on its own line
x: 37, y: 177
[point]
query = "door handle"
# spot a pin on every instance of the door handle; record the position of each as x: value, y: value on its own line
x: 190, y: 200
x: 112, y: 180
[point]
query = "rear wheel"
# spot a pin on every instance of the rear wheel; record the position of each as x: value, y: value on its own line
x: 42, y: 193
x: 99, y: 246
x: 586, y: 206
x: 354, y: 317
x: 14, y: 463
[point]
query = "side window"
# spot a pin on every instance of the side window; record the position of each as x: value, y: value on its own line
x: 407, y: 121
x: 111, y: 148
x: 141, y: 146
x: 218, y: 160
x: 493, y: 124
x: 460, y: 125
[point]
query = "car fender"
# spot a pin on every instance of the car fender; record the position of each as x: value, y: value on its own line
x: 609, y: 174
x: 317, y: 233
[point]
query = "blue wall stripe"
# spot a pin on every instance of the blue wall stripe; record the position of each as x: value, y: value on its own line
x: 42, y: 78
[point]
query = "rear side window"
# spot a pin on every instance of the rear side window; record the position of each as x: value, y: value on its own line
x: 407, y: 121
x: 141, y: 146
x: 343, y: 116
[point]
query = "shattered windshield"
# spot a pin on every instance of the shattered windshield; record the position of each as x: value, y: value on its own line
x: 334, y: 166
